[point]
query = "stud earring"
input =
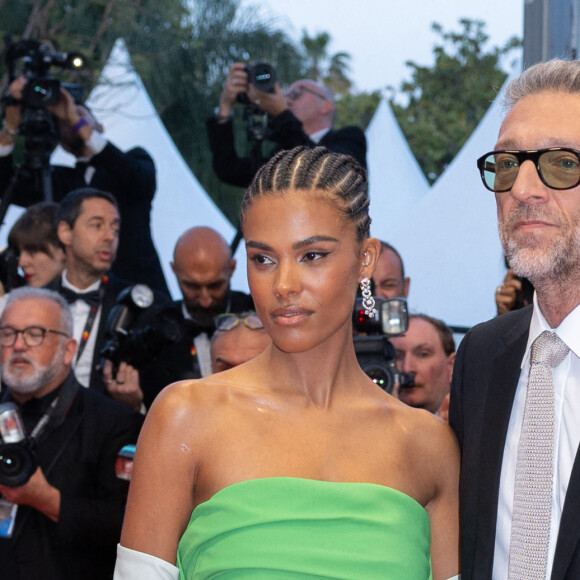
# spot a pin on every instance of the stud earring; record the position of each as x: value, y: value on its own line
x: 368, y: 300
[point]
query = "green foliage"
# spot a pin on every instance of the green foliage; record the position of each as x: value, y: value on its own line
x: 182, y: 50
x: 328, y: 69
x: 445, y: 102
x: 356, y: 109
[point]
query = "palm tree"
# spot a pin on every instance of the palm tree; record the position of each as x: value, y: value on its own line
x: 330, y: 70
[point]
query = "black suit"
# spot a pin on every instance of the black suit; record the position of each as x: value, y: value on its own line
x: 112, y: 288
x: 286, y: 132
x: 130, y: 177
x: 485, y: 377
x: 174, y: 361
x: 77, y: 457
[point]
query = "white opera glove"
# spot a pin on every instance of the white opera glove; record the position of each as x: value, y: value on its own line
x: 133, y: 565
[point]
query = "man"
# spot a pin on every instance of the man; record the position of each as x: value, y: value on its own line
x: 517, y: 419
x: 69, y: 513
x: 129, y: 176
x: 389, y: 275
x: 427, y: 350
x: 238, y: 338
x: 88, y: 225
x: 203, y: 266
x: 304, y: 117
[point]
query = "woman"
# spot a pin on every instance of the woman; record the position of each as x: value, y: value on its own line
x: 34, y: 240
x: 295, y: 464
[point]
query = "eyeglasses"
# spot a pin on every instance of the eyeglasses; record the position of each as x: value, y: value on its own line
x: 295, y: 93
x: 32, y: 335
x: 557, y: 167
x: 229, y: 321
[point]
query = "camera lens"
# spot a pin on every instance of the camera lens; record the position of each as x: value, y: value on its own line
x: 381, y: 377
x: 17, y: 464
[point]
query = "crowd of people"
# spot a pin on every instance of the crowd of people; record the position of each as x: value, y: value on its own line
x: 271, y: 452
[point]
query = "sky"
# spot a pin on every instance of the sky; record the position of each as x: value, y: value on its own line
x: 381, y: 35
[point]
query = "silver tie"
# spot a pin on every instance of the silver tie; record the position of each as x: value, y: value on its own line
x: 530, y: 535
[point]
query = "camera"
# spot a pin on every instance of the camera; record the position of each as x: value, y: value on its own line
x: 137, y: 346
x: 17, y: 454
x: 38, y: 126
x: 263, y: 76
x: 374, y: 352
x: 42, y: 89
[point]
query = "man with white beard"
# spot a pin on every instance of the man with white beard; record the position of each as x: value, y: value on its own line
x: 515, y: 397
x: 69, y: 512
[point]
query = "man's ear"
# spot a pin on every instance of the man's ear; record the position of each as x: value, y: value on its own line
x: 64, y: 233
x: 233, y: 264
x: 371, y: 248
x: 327, y: 107
x: 70, y: 348
x: 451, y: 363
x: 172, y: 264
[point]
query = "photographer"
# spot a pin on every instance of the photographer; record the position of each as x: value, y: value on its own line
x: 130, y: 176
x: 427, y: 350
x: 69, y: 512
x: 303, y: 117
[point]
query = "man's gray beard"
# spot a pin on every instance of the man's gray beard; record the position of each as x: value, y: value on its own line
x: 531, y: 258
x: 31, y: 382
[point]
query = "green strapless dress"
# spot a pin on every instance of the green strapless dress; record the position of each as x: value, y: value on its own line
x: 286, y: 527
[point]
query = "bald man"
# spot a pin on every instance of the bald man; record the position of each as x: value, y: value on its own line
x: 203, y: 265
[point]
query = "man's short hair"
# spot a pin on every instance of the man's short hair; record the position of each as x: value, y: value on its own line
x: 69, y: 208
x: 31, y: 293
x: 557, y: 75
x: 385, y: 246
x: 442, y: 329
x: 35, y: 229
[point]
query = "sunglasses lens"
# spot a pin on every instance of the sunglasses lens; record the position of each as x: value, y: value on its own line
x: 500, y: 171
x: 560, y: 169
x: 253, y: 322
x: 226, y: 321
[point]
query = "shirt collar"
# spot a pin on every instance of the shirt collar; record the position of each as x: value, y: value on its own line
x: 567, y: 330
x: 316, y: 137
x: 67, y: 284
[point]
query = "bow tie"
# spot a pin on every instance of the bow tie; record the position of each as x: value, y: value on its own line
x: 92, y: 298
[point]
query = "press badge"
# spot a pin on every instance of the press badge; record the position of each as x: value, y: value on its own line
x: 7, y: 518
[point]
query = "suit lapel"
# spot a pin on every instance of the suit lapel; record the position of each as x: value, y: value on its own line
x: 503, y: 380
x: 569, y: 532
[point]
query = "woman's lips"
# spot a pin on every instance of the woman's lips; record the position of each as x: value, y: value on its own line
x: 290, y: 316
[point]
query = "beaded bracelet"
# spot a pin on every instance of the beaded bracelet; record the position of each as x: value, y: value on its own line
x: 79, y: 124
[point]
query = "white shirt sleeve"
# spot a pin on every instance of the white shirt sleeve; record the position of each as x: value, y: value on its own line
x: 96, y: 143
x: 5, y: 150
x: 133, y: 565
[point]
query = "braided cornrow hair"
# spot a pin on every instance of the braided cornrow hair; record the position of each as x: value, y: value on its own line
x: 315, y: 169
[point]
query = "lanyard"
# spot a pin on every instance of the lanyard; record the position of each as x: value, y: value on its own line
x: 91, y: 319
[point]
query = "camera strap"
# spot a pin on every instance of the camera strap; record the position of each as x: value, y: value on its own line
x: 57, y: 409
x: 91, y: 319
x: 56, y: 413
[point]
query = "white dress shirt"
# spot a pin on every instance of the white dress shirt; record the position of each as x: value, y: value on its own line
x: 80, y: 313
x: 202, y: 344
x: 567, y: 435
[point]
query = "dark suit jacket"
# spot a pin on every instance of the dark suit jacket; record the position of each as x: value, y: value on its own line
x: 112, y: 289
x: 286, y: 132
x: 78, y: 458
x: 130, y: 177
x: 485, y: 377
x: 174, y: 361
